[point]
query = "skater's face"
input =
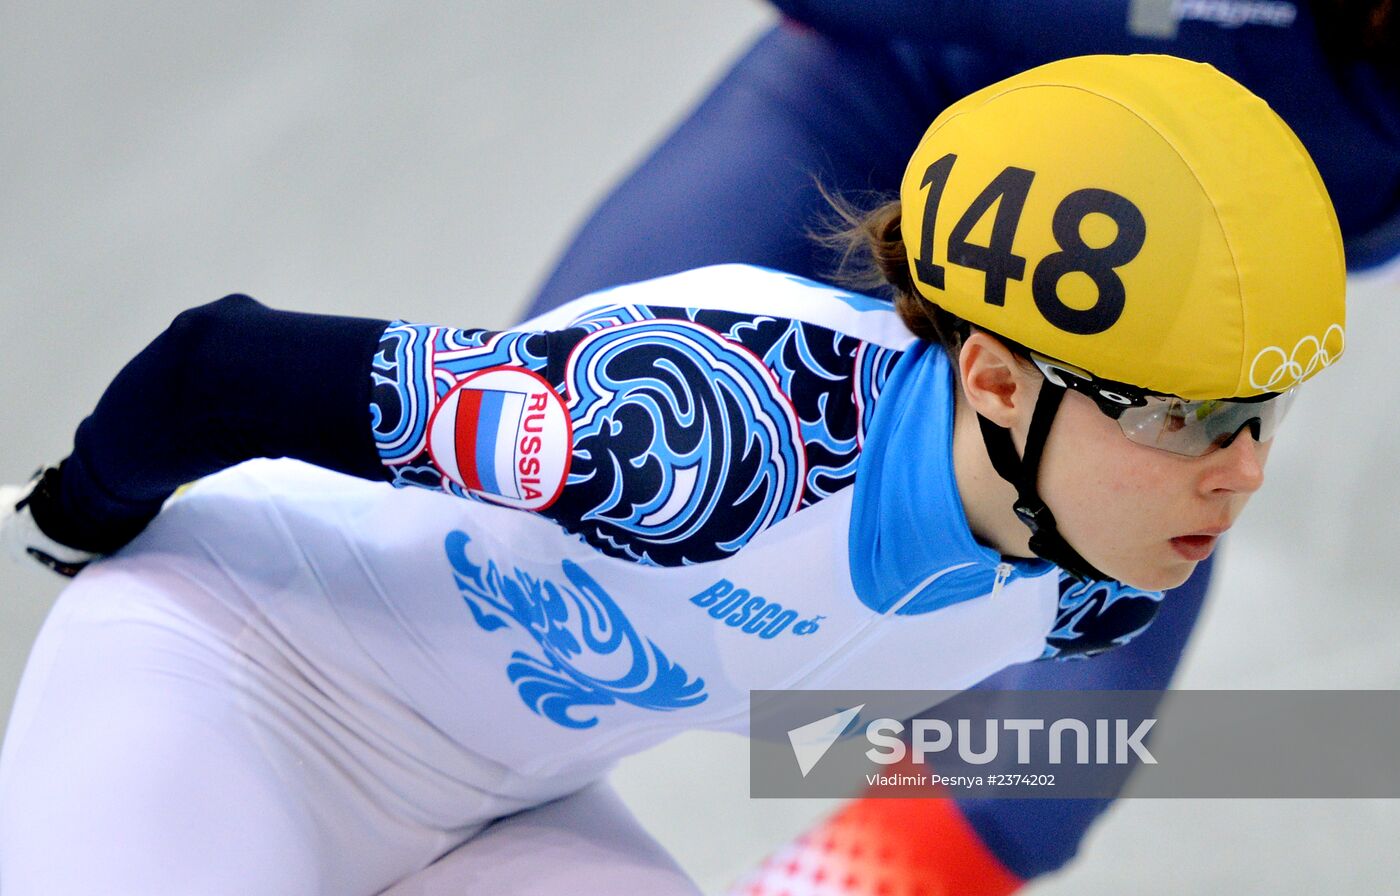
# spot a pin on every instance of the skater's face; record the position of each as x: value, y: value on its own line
x: 1140, y: 514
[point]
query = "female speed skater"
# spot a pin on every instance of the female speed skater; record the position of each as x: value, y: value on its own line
x: 833, y: 99
x: 293, y: 681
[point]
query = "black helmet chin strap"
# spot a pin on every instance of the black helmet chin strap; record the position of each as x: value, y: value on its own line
x: 1046, y: 541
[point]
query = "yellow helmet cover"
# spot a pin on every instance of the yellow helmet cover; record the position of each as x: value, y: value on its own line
x: 1145, y: 218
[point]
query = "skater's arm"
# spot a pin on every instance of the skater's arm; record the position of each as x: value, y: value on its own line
x: 226, y: 382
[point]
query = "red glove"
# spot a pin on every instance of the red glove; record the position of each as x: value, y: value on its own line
x: 884, y: 847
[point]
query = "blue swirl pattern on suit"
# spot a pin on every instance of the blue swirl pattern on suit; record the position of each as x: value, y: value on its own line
x: 580, y: 633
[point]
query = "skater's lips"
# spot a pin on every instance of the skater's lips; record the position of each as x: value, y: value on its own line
x: 1198, y: 545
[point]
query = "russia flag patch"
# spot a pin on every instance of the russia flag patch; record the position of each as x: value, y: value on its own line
x: 505, y: 435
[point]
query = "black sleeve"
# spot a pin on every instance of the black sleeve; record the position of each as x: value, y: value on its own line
x: 227, y: 382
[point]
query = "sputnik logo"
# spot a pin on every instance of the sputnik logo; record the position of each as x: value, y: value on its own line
x: 811, y: 742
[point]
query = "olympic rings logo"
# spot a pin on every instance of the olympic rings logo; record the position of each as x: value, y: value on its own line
x: 1286, y: 370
